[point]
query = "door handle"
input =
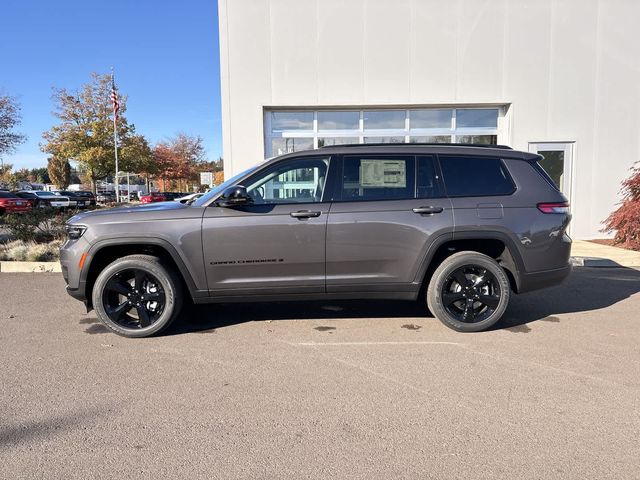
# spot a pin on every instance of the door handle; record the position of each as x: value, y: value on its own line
x: 305, y: 214
x: 428, y: 210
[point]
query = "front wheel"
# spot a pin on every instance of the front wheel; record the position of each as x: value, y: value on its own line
x: 137, y: 296
x: 468, y: 292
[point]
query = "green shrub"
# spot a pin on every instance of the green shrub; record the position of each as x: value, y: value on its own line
x: 38, y: 225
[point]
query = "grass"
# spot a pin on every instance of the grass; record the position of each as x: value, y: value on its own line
x: 18, y: 250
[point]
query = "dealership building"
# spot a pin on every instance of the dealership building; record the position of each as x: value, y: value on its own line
x: 558, y: 77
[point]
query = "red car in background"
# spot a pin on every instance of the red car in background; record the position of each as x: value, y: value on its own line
x: 10, y: 203
x: 153, y: 197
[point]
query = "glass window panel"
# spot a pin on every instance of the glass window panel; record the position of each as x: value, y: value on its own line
x: 477, y: 117
x: 481, y: 139
x: 338, y: 120
x: 378, y: 178
x: 432, y: 118
x: 280, y: 146
x: 427, y: 184
x: 301, y: 180
x: 291, y: 121
x: 431, y: 139
x: 384, y: 139
x: 384, y: 119
x: 328, y: 141
x: 553, y: 164
x: 475, y: 176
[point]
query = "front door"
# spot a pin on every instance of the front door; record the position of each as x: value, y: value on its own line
x: 276, y: 244
x: 390, y: 209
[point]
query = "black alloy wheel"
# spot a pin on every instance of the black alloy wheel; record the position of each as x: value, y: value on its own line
x: 133, y: 298
x: 470, y: 294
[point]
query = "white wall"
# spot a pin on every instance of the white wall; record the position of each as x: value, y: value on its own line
x: 570, y: 69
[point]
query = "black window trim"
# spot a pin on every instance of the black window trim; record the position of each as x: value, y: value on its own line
x: 444, y: 182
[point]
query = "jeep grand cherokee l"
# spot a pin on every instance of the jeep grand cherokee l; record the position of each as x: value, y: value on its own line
x: 458, y: 227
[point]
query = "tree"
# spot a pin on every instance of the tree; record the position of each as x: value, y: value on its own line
x: 59, y: 172
x: 625, y: 221
x: 178, y: 159
x: 9, y: 119
x: 85, y: 131
x: 39, y: 175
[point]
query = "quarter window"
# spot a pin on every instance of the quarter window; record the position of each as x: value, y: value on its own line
x: 378, y: 178
x: 475, y: 176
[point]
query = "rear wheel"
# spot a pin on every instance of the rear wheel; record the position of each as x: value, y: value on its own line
x: 137, y: 296
x: 468, y: 292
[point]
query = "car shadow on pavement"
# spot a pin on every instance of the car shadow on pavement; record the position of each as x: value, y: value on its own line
x: 586, y: 289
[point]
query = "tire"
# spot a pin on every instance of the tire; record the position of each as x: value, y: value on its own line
x: 461, y: 307
x: 137, y: 296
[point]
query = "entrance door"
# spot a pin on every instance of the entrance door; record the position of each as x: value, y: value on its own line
x: 558, y: 163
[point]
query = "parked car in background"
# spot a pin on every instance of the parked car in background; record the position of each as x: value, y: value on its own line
x: 153, y: 197
x: 106, y: 197
x: 40, y: 198
x: 89, y: 197
x: 76, y: 199
x: 170, y: 196
x: 189, y: 198
x: 11, y: 203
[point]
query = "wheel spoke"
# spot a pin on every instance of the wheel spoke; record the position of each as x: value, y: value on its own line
x: 119, y: 285
x: 468, y: 311
x: 449, y: 298
x: 153, y: 297
x: 120, y: 310
x: 140, y: 276
x: 490, y: 301
x: 461, y: 278
x: 143, y: 316
x: 482, y: 279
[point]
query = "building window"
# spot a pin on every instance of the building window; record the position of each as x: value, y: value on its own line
x: 288, y: 131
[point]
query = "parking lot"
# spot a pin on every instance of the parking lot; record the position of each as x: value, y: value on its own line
x: 340, y: 390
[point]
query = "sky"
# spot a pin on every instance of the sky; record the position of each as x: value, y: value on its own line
x: 164, y: 53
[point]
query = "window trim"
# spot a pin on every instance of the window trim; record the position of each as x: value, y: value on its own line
x: 504, y: 166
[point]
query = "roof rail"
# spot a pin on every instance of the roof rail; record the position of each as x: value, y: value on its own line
x: 482, y: 145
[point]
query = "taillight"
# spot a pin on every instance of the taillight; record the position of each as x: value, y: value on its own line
x: 562, y: 207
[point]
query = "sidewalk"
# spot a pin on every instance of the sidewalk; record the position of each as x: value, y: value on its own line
x: 589, y: 254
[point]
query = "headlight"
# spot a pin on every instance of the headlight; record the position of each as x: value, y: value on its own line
x: 74, y: 232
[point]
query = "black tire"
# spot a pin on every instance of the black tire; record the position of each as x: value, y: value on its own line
x: 137, y: 296
x: 462, y: 307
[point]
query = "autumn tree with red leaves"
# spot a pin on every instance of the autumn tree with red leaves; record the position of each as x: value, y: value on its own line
x: 178, y: 159
x: 625, y: 221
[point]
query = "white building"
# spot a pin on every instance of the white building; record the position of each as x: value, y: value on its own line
x: 557, y: 76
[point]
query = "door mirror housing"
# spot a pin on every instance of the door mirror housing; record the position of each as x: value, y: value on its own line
x: 234, y: 196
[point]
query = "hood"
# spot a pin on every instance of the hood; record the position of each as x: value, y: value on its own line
x: 151, y: 211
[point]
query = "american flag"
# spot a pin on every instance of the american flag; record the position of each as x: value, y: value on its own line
x: 114, y: 99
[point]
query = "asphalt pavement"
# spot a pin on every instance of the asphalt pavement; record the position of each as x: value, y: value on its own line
x: 372, y: 390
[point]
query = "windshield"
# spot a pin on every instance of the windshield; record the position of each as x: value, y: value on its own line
x: 215, y: 191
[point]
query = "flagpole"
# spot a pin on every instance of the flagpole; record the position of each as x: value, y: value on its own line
x: 115, y: 136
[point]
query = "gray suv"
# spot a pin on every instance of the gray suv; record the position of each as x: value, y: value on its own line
x: 459, y: 227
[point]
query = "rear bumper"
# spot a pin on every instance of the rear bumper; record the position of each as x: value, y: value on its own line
x: 543, y: 279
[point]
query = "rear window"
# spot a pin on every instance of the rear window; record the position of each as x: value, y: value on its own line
x: 475, y: 176
x: 7, y: 195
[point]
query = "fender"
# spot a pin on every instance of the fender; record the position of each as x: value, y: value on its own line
x: 516, y: 268
x: 175, y: 256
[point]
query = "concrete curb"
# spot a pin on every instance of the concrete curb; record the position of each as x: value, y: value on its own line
x: 29, y: 267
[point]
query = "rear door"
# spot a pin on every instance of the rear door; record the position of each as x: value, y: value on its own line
x: 388, y: 210
x: 277, y: 244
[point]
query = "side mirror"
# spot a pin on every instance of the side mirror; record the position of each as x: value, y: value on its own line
x: 235, y: 196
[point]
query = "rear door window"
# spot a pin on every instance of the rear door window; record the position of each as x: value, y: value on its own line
x: 467, y: 176
x: 428, y: 183
x: 374, y: 177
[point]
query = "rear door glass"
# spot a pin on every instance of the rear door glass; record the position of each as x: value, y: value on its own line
x: 468, y: 176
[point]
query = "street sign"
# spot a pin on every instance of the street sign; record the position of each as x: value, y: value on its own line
x: 206, y: 178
